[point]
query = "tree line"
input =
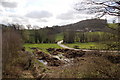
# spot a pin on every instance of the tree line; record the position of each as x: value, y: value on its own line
x: 41, y: 35
x: 83, y: 37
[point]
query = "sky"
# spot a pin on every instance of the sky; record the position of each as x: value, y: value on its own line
x: 42, y: 12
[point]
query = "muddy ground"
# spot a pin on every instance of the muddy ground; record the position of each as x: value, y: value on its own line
x: 81, y: 64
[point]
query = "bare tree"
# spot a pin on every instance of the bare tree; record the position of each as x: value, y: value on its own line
x: 28, y: 26
x: 99, y: 7
x: 11, y: 44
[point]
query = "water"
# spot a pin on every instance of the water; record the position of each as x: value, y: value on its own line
x: 42, y: 61
x: 62, y: 58
x: 59, y: 57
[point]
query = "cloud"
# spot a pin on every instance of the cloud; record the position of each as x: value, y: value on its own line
x: 20, y: 20
x: 67, y: 16
x: 9, y: 4
x: 39, y: 14
x: 42, y: 20
x: 72, y: 15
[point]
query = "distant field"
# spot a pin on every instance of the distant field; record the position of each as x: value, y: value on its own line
x: 93, y: 33
x: 99, y: 33
x: 42, y: 46
x: 111, y: 25
x: 59, y: 36
x: 89, y: 45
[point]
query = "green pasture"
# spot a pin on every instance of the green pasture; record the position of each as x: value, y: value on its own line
x: 42, y: 46
x: 113, y: 25
x: 59, y: 37
x: 89, y: 45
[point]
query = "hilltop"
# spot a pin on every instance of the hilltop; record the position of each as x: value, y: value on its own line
x: 87, y: 25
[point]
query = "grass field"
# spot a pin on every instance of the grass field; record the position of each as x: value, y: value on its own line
x: 42, y: 46
x: 113, y: 25
x: 90, y: 45
x: 59, y: 36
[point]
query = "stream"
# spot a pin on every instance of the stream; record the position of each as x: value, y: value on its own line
x: 43, y: 61
x: 58, y: 57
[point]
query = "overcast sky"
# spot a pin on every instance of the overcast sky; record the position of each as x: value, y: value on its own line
x: 42, y: 12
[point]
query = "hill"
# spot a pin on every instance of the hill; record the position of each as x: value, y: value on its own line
x: 87, y: 25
